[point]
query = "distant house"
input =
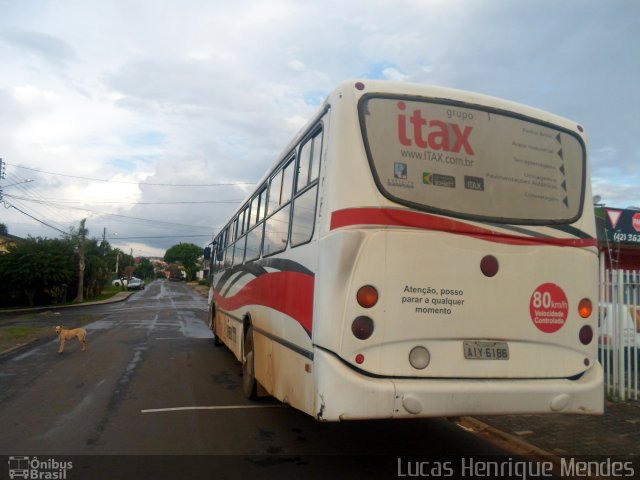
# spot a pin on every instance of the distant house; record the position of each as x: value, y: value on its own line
x: 7, y: 241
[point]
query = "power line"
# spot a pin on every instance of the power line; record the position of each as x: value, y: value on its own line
x: 54, y: 201
x: 36, y: 219
x: 108, y: 238
x: 231, y: 184
x: 53, y: 215
x: 160, y: 236
x: 152, y: 221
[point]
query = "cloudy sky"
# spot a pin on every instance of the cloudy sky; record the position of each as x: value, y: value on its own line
x: 152, y: 118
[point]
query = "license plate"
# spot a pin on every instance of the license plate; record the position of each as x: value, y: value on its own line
x: 477, y: 350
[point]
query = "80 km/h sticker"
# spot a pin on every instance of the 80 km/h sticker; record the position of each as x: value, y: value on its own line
x: 549, y: 307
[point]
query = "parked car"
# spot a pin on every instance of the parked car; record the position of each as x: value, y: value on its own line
x: 136, y: 284
x: 122, y: 281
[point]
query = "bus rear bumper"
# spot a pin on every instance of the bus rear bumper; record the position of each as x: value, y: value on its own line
x: 346, y: 394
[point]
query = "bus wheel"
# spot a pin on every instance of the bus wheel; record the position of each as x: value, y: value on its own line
x: 212, y: 326
x: 249, y: 384
x: 216, y: 339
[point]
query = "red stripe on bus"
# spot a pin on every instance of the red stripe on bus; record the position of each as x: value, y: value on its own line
x: 404, y: 218
x: 290, y: 293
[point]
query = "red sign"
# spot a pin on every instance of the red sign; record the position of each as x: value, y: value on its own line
x: 549, y: 307
x: 433, y: 134
x: 635, y: 221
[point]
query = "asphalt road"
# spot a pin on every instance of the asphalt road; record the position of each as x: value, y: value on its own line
x: 152, y: 397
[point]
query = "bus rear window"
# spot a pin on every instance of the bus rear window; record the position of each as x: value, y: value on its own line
x: 472, y: 162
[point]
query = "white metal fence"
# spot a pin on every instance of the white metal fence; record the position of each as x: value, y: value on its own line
x: 619, y: 331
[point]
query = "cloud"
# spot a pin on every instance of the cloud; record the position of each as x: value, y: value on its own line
x: 49, y: 48
x: 212, y: 92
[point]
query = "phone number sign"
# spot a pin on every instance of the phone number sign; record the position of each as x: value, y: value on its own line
x: 621, y: 226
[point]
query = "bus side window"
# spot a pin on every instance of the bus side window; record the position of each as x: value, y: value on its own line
x: 219, y: 254
x: 228, y: 258
x: 224, y: 247
x: 216, y: 254
x: 254, y: 240
x: 303, y: 166
x: 276, y: 232
x: 275, y: 188
x: 262, y: 212
x: 315, y: 157
x: 242, y: 222
x: 304, y: 205
x: 287, y: 182
x: 238, y: 254
x: 234, y: 230
x: 253, y: 213
x: 304, y: 214
x: 281, y: 186
x: 309, y: 161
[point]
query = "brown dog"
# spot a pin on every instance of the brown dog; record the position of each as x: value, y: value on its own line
x: 64, y: 334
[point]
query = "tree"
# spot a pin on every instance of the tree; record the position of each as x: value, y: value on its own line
x: 36, y: 267
x: 116, y: 260
x: 96, y: 272
x: 145, y: 269
x: 186, y: 253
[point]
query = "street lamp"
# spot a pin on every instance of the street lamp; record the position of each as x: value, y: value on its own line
x: 2, y: 187
x: 28, y: 180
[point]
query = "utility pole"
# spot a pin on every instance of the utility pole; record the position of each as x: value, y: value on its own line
x: 1, y: 176
x: 82, y: 236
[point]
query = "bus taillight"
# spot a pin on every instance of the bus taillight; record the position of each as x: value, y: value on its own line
x: 586, y: 335
x: 362, y: 327
x: 367, y: 296
x: 489, y: 265
x: 585, y: 308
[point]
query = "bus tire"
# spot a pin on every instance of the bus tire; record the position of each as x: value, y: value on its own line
x: 249, y: 384
x: 212, y: 326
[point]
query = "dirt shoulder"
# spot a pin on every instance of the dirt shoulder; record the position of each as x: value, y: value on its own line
x: 201, y: 289
x: 22, y: 329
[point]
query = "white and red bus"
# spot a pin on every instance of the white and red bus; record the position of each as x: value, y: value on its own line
x: 416, y: 251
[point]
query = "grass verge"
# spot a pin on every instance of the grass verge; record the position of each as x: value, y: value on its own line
x: 19, y: 335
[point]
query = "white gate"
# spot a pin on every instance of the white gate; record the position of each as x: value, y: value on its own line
x: 619, y: 331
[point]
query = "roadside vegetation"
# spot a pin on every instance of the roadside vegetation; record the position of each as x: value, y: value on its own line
x: 41, y: 271
x: 186, y: 255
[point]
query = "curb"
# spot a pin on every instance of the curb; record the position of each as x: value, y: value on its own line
x: 503, y: 439
x: 197, y: 288
x: 512, y: 443
x: 117, y: 298
x: 18, y: 348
